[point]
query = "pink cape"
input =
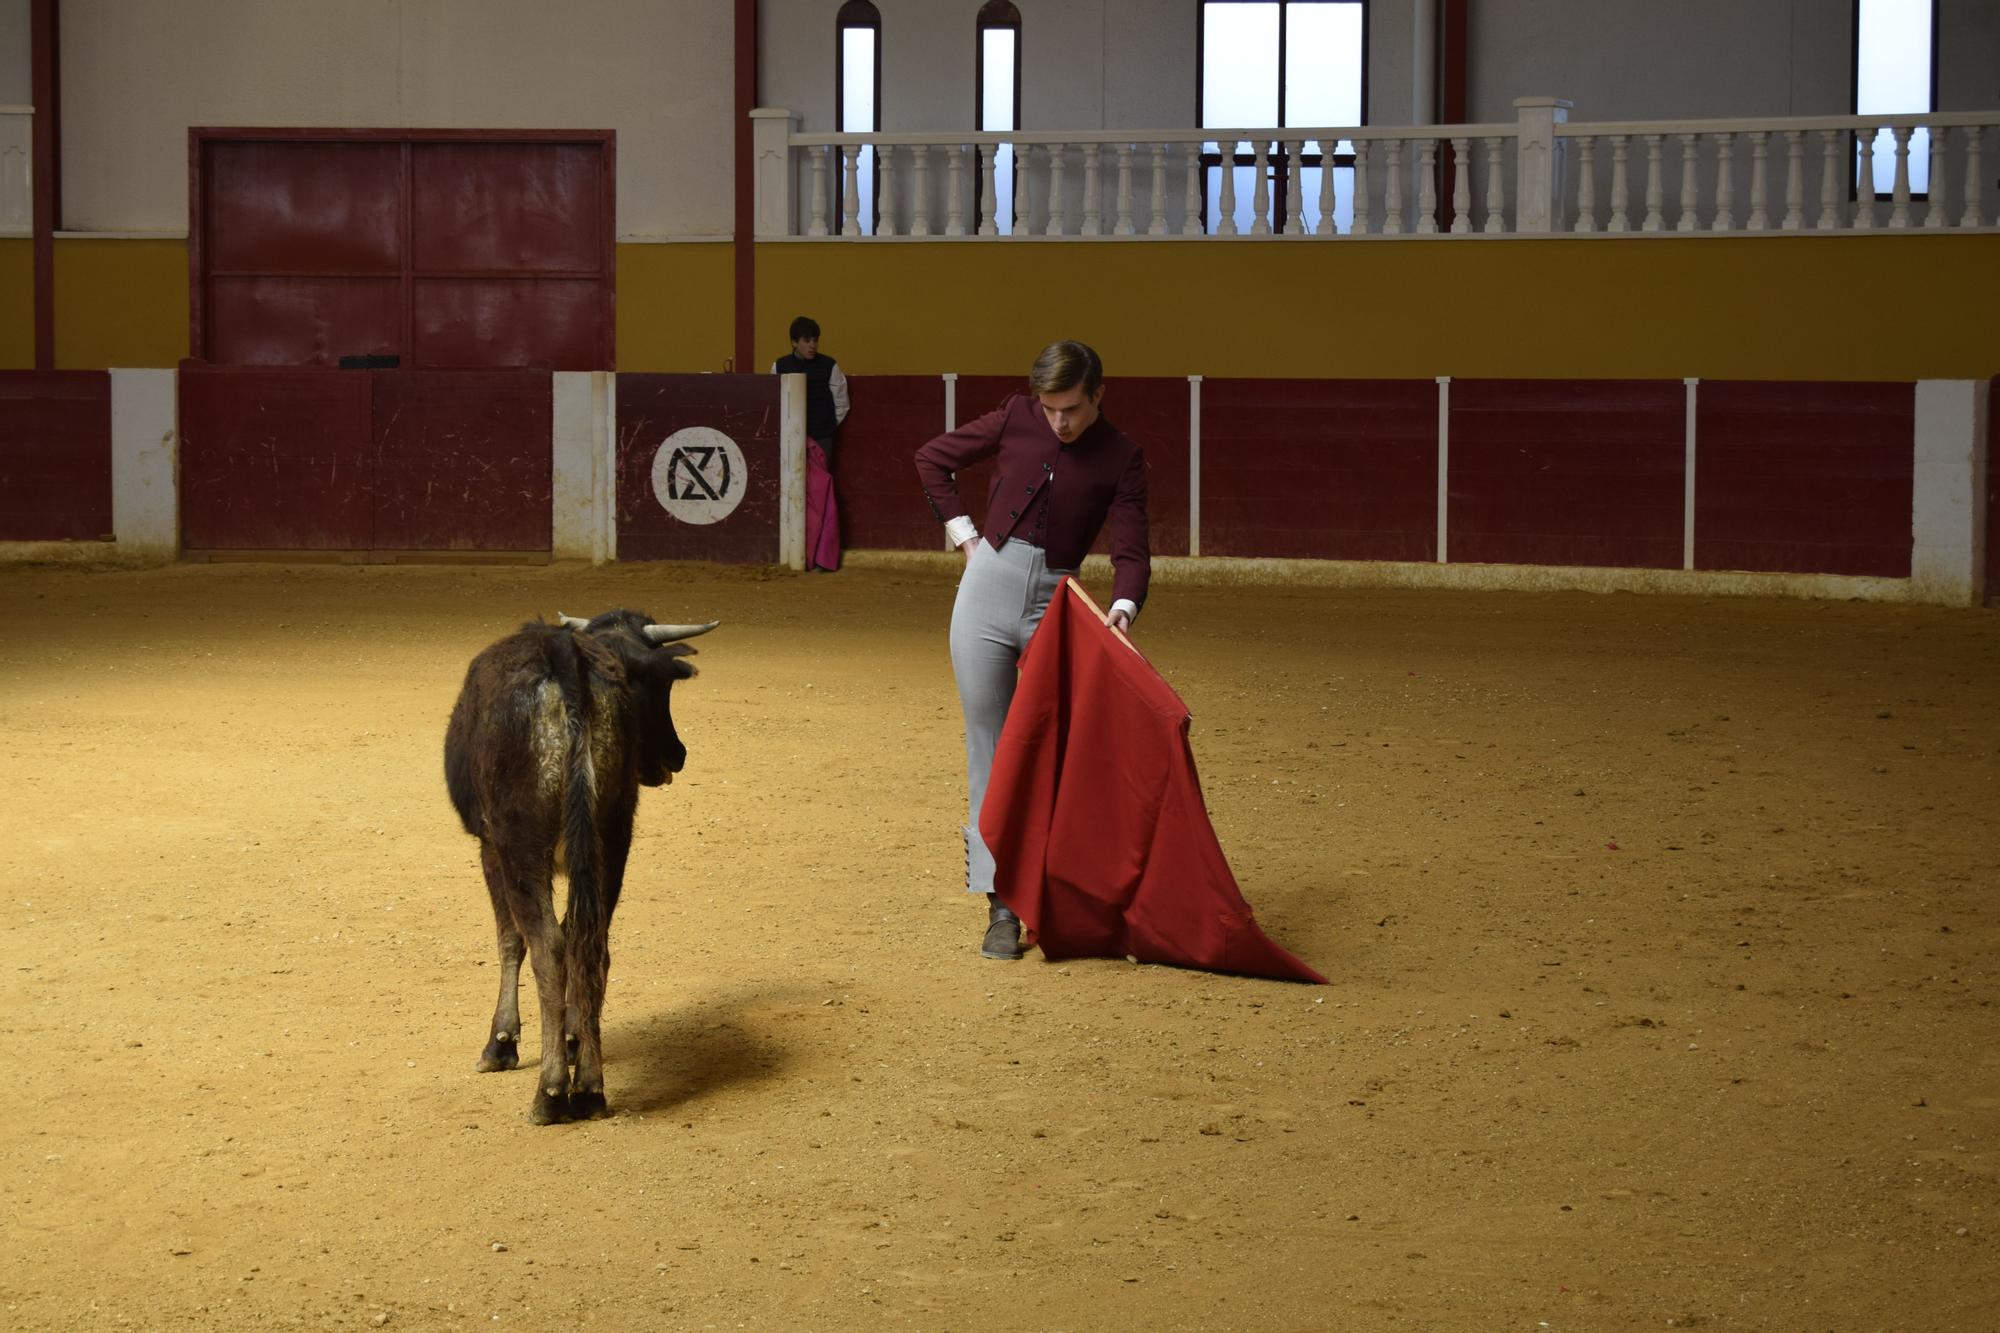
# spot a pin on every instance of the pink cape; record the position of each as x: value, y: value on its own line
x: 1100, y: 838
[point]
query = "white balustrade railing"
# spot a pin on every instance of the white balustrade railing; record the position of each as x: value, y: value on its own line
x: 1859, y: 173
x: 17, y: 139
x: 1538, y: 175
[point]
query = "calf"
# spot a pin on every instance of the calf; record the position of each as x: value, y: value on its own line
x: 555, y: 730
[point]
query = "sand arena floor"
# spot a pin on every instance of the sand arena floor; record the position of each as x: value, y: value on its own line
x: 1662, y: 932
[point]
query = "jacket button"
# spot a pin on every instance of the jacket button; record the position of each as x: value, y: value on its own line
x: 1029, y: 489
x: 1013, y: 513
x: 1048, y: 467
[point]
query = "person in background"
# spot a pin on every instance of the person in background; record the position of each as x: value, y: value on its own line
x: 1063, y: 471
x: 826, y: 408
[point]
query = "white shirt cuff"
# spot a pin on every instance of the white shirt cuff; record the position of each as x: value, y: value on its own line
x: 959, y: 531
x: 1128, y: 606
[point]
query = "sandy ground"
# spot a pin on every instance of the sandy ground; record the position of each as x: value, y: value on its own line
x: 1662, y: 935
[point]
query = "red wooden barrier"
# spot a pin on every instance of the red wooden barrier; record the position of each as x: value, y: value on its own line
x: 881, y: 503
x: 55, y: 455
x: 365, y: 461
x: 1804, y: 478
x: 1319, y: 469
x: 1568, y: 472
x: 661, y: 471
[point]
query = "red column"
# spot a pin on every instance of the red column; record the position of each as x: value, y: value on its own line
x: 47, y: 92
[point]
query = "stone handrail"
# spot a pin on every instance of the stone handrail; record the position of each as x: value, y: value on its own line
x: 1538, y: 174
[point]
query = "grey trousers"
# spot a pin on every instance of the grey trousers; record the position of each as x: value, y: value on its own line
x: 1001, y: 597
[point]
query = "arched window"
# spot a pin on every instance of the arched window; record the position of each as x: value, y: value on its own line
x: 997, y: 95
x: 857, y: 96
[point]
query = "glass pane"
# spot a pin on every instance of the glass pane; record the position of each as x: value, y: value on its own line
x: 1003, y: 189
x: 857, y: 79
x: 1323, y: 63
x: 1343, y: 190
x: 1239, y: 65
x: 857, y: 114
x: 996, y: 69
x: 1892, y: 76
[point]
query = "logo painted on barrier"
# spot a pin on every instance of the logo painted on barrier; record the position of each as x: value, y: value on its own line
x: 699, y: 476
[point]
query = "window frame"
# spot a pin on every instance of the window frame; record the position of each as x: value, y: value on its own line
x: 995, y: 15
x: 1278, y: 163
x: 853, y: 14
x: 1854, y: 99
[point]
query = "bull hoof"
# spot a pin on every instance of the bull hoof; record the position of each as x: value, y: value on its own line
x: 549, y: 1109
x: 588, y: 1106
x: 499, y: 1055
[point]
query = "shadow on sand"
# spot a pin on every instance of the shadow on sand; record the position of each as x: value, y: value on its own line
x: 660, y: 1063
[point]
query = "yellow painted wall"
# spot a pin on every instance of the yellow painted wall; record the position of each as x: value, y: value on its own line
x: 17, y: 304
x: 1738, y: 307
x: 1726, y: 307
x: 676, y: 306
x: 121, y: 303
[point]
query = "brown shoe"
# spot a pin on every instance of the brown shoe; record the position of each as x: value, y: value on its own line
x: 1003, y: 932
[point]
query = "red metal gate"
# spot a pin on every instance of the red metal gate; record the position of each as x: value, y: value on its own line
x: 698, y: 468
x: 459, y: 248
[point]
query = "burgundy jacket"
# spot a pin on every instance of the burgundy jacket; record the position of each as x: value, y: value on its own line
x: 1049, y: 493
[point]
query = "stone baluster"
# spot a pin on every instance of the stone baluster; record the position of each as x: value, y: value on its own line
x: 1461, y: 186
x: 1024, y: 198
x: 988, y: 226
x: 850, y: 190
x: 1496, y: 189
x: 1090, y: 186
x: 1934, y: 211
x: 1899, y: 212
x: 1427, y: 195
x: 1225, y: 211
x: 817, y: 227
x: 885, y: 217
x: 1725, y: 183
x: 1864, y: 188
x: 1328, y: 150
x: 1830, y: 180
x: 920, y: 192
x: 1655, y: 219
x: 1158, y: 225
x: 1191, y: 193
x: 1586, y: 182
x: 1973, y: 211
x: 1760, y: 181
x: 1295, y: 187
x: 1364, y: 203
x: 1620, y: 194
x: 954, y: 196
x: 1392, y: 193
x: 1057, y: 208
x: 1124, y: 225
x: 1690, y: 201
x: 1795, y: 152
x: 1260, y: 196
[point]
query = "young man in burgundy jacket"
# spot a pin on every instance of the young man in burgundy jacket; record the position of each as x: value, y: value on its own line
x: 1062, y: 472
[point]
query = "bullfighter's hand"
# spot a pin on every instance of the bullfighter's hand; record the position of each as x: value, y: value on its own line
x: 1119, y: 621
x: 966, y: 548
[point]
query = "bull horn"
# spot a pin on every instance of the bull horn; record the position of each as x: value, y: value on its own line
x: 571, y: 622
x: 658, y: 634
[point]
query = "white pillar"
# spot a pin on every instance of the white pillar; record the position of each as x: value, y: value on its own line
x: 145, y: 462
x: 775, y: 182
x: 1194, y: 465
x: 1948, y: 498
x: 583, y: 459
x: 1692, y: 389
x: 1444, y: 464
x: 792, y: 471
x: 1538, y: 163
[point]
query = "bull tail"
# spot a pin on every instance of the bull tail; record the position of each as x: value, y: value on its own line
x: 586, y: 919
